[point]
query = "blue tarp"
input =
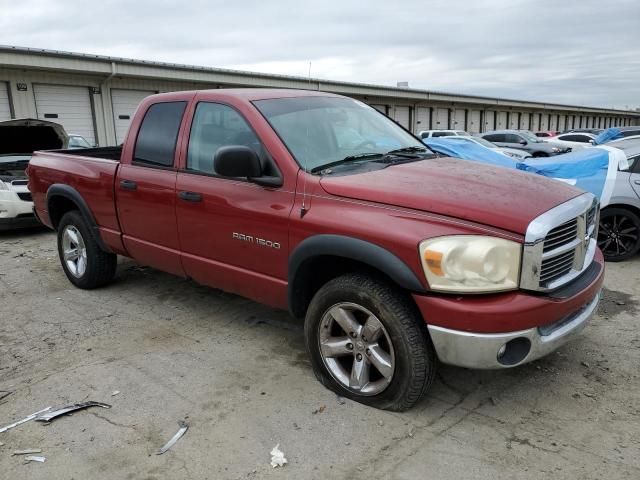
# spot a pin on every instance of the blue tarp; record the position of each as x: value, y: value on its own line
x: 608, y: 135
x: 591, y: 169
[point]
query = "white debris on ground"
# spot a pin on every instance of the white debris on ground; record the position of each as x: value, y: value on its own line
x: 33, y: 458
x: 277, y: 457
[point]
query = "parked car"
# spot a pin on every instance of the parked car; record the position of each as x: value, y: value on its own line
x: 594, y: 131
x: 442, y: 133
x: 547, y: 133
x: 375, y: 247
x: 575, y: 141
x: 18, y: 140
x: 510, y: 152
x: 78, y: 141
x: 525, y: 140
x: 629, y: 131
x: 619, y: 231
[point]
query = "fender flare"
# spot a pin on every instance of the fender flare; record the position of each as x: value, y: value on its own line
x: 351, y: 248
x: 70, y: 193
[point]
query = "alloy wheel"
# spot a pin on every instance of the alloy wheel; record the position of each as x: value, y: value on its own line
x: 74, y: 251
x: 356, y: 349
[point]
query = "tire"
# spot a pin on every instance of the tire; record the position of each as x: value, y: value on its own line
x: 618, y: 234
x: 403, y: 342
x: 88, y: 266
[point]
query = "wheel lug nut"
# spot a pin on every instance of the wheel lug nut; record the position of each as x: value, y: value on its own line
x: 350, y: 346
x: 367, y: 351
x: 353, y: 334
x: 359, y: 357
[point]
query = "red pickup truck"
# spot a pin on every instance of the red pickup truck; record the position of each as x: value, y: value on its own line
x: 394, y: 256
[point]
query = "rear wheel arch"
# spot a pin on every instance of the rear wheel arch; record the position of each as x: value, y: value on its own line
x: 64, y: 198
x: 319, y: 259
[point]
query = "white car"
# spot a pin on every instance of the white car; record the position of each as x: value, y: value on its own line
x: 510, y: 152
x: 575, y: 140
x: 442, y: 133
x: 18, y: 140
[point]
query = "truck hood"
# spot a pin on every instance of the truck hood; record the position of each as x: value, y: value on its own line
x: 25, y: 136
x: 495, y: 196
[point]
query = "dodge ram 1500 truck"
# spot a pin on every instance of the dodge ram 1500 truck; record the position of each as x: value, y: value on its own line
x: 394, y: 256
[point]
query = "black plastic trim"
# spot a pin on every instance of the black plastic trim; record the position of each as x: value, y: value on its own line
x: 352, y: 249
x: 66, y: 191
x: 579, y: 284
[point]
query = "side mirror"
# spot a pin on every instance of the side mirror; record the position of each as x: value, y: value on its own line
x: 241, y: 161
x: 237, y: 161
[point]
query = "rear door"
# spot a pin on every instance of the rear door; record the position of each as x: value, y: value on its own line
x: 146, y: 190
x: 233, y: 233
x: 634, y: 178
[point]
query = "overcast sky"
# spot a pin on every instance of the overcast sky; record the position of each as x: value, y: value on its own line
x: 581, y: 52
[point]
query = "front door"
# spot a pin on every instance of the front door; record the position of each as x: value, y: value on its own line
x: 233, y: 233
x: 146, y: 190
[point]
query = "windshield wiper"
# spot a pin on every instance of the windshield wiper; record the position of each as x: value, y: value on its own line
x: 409, y: 150
x: 349, y: 159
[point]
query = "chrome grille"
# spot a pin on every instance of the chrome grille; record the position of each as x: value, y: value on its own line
x: 561, y: 235
x: 555, y: 267
x: 560, y: 244
x: 20, y: 182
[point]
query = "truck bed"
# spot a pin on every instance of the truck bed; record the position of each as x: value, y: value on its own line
x: 91, y: 172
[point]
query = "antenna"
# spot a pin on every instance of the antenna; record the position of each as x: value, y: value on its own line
x: 303, y: 208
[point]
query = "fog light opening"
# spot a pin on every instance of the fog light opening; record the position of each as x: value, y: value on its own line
x: 514, y: 351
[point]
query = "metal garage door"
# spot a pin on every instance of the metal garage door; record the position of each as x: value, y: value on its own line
x: 442, y: 119
x: 489, y: 121
x: 423, y: 121
x: 473, y: 125
x: 501, y: 121
x: 402, y: 115
x: 380, y: 108
x: 535, y: 122
x: 562, y: 123
x: 459, y: 119
x: 124, y: 103
x: 5, y: 108
x: 68, y: 106
x: 524, y: 121
x: 514, y: 120
x: 544, y: 122
x: 553, y: 122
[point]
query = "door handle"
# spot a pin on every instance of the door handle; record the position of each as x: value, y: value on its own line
x: 637, y: 182
x: 190, y: 196
x: 128, y: 185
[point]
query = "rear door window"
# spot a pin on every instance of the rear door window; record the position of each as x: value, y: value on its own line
x: 495, y: 137
x: 442, y: 134
x: 158, y: 134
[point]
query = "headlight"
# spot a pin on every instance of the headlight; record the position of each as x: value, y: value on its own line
x: 555, y: 149
x: 471, y: 263
x: 3, y: 186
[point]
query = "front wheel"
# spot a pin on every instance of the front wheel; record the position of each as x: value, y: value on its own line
x: 618, y: 234
x: 367, y: 342
x: 83, y: 261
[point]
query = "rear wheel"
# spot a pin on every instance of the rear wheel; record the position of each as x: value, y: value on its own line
x: 367, y: 342
x: 83, y: 261
x: 618, y: 234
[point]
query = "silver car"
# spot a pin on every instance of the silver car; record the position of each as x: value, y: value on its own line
x: 619, y: 232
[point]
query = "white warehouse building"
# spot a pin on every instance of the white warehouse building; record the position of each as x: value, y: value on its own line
x: 96, y: 96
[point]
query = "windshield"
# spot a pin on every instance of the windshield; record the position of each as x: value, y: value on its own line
x: 322, y: 130
x: 78, y: 141
x: 530, y: 137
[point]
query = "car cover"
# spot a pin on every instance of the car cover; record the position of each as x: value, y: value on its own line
x: 591, y: 169
x: 607, y: 135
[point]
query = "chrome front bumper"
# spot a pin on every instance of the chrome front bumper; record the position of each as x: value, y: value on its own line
x: 482, y: 351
